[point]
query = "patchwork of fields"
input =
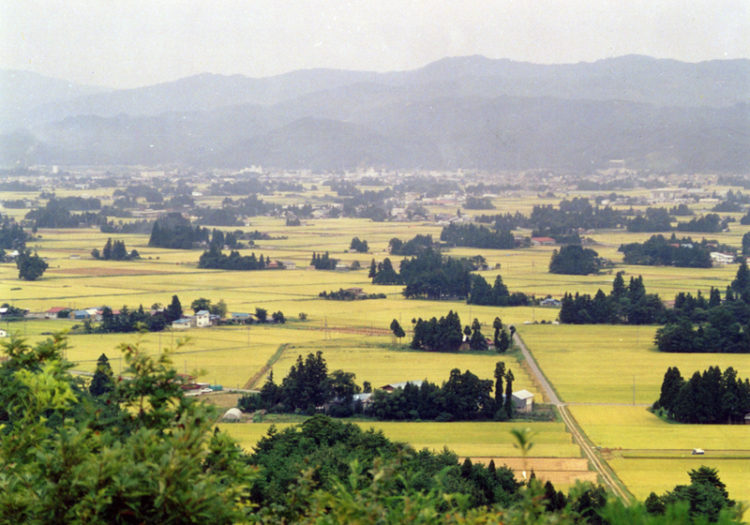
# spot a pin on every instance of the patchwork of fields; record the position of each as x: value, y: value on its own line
x: 608, y: 374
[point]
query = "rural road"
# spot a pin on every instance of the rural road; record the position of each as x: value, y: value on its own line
x: 604, y: 472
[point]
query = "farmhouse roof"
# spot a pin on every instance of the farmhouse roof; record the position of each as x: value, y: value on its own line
x: 56, y: 309
x: 523, y: 394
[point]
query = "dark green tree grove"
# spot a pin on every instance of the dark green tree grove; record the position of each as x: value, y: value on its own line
x: 30, y: 267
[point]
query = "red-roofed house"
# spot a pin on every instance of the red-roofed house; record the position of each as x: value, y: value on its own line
x: 542, y: 241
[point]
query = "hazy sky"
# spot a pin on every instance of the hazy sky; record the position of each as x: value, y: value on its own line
x: 127, y: 43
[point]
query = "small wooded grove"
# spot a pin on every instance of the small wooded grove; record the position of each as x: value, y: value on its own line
x: 114, y: 251
x: 445, y: 334
x: 575, y: 260
x: 309, y: 388
x: 432, y: 275
x: 625, y: 304
x: 215, y: 259
x: 661, y: 251
x: 711, y: 397
x: 696, y: 324
x: 136, y: 449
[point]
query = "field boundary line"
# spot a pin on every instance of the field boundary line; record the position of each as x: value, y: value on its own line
x: 266, y: 368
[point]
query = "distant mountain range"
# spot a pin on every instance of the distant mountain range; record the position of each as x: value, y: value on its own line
x: 466, y: 112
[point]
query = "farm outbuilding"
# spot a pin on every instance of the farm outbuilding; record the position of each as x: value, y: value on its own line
x: 232, y: 415
x: 523, y: 401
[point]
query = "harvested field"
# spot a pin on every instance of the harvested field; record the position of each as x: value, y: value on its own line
x: 101, y: 272
x: 560, y: 471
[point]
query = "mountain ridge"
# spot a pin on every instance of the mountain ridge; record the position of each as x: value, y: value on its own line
x: 455, y: 112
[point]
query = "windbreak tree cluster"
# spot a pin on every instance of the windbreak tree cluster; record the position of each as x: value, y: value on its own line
x: 175, y: 231
x: 481, y: 293
x: 307, y: 388
x: 349, y: 295
x: 218, y: 217
x: 655, y: 220
x: 420, y: 243
x: 384, y: 273
x: 575, y: 260
x: 681, y: 210
x: 504, y: 221
x: 709, y: 223
x: 463, y: 397
x: 624, y: 305
x: 432, y: 276
x: 216, y: 259
x: 659, y: 251
x: 732, y: 202
x: 114, y: 251
x: 502, y: 337
x: 128, y: 321
x: 562, y: 223
x: 710, y: 397
x: 359, y: 246
x: 441, y: 335
x: 323, y: 261
x: 475, y: 236
x: 478, y: 203
x: 57, y: 214
x: 127, y: 227
x: 700, y: 325
x: 12, y: 235
x: 232, y: 211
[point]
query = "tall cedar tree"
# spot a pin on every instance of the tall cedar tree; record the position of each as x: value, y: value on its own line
x: 102, y: 382
x: 509, y: 394
x: 477, y: 341
x: 174, y: 310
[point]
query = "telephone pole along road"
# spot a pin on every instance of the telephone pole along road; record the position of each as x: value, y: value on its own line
x: 604, y: 473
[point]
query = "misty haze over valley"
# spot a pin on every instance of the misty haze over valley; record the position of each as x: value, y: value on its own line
x: 466, y: 112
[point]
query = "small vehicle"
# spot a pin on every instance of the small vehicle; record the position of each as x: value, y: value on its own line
x: 206, y: 390
x: 698, y: 452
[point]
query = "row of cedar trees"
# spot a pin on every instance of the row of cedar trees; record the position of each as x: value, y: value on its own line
x: 309, y: 386
x: 463, y: 397
x: 445, y: 334
x: 710, y: 397
x: 115, y: 251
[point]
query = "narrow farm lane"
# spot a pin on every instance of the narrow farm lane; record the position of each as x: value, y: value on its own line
x: 601, y: 468
x: 549, y: 392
